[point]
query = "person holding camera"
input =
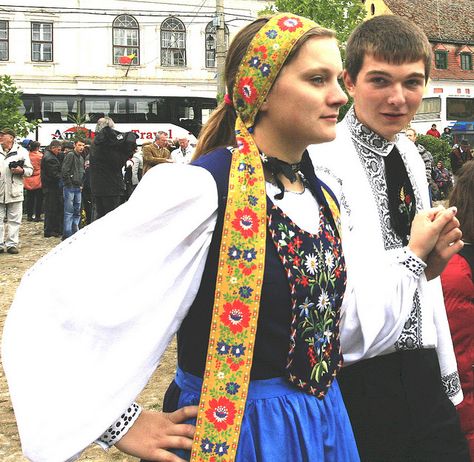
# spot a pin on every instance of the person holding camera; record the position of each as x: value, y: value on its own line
x: 14, y: 165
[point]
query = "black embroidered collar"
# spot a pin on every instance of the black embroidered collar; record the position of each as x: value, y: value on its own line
x: 366, y: 136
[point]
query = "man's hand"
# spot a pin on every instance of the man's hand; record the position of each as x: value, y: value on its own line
x: 17, y: 171
x: 155, y: 432
x: 427, y: 227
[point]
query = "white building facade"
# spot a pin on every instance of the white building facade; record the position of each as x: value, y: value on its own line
x: 85, y: 44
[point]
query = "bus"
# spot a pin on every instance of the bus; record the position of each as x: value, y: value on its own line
x: 175, y: 110
x: 447, y: 109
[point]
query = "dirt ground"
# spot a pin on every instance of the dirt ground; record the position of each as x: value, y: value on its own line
x: 12, y: 267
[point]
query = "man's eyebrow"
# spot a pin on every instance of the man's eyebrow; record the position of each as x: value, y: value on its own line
x: 420, y: 75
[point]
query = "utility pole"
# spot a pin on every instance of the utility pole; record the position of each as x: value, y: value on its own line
x: 220, y: 47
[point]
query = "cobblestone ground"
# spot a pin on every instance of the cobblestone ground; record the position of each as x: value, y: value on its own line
x: 12, y: 268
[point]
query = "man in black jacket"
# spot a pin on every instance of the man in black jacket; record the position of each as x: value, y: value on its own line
x: 108, y: 154
x: 50, y: 180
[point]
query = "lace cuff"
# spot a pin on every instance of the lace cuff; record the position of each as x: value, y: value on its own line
x: 408, y: 259
x: 119, y: 427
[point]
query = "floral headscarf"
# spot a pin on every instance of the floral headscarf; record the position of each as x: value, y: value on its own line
x: 242, y: 251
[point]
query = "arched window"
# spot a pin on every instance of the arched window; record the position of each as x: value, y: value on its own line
x: 173, y: 43
x: 211, y: 43
x: 126, y: 40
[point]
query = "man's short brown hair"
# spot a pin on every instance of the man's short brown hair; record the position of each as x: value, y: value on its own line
x: 390, y: 38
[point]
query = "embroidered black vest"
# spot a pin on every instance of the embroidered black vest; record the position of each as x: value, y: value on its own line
x: 276, y: 314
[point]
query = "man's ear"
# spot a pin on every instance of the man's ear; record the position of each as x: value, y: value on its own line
x: 348, y: 83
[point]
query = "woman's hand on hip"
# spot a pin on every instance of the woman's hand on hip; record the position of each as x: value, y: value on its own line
x: 154, y: 433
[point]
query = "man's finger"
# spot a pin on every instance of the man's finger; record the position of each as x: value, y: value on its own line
x: 443, y: 218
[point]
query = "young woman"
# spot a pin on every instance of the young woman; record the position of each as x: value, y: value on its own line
x: 239, y: 252
x: 34, y: 196
x: 458, y: 289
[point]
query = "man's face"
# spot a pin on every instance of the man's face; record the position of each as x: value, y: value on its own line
x: 55, y: 150
x: 7, y: 141
x: 386, y: 96
x: 411, y: 135
x: 162, y: 141
x: 183, y: 143
x: 79, y: 147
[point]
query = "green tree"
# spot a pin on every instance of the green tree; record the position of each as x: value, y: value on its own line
x: 341, y: 15
x: 81, y: 133
x: 439, y: 148
x: 10, y: 103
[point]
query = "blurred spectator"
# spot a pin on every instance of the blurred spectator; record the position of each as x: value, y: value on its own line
x: 443, y: 180
x: 459, y: 156
x: 458, y: 289
x: 433, y: 131
x: 447, y: 136
x: 184, y: 153
x: 428, y: 160
x: 109, y: 152
x: 137, y: 168
x: 52, y: 190
x: 72, y: 172
x: 14, y: 165
x: 87, y: 206
x: 34, y: 195
x: 157, y: 152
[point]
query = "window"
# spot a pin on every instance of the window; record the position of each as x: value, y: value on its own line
x: 430, y: 108
x: 173, y: 43
x: 441, y: 59
x: 211, y: 43
x: 126, y: 35
x: 3, y: 40
x: 460, y: 109
x: 41, y: 41
x: 466, y: 61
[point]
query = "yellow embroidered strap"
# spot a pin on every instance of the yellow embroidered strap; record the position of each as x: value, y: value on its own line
x: 242, y: 251
x: 334, y: 208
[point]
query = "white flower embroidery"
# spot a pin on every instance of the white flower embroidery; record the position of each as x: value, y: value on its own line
x: 311, y: 263
x: 323, y: 301
x: 329, y: 258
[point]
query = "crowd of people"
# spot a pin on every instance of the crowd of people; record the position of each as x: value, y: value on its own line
x: 299, y: 264
x: 440, y: 178
x: 69, y: 184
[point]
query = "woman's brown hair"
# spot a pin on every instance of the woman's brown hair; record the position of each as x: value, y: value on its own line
x: 462, y: 197
x: 219, y: 130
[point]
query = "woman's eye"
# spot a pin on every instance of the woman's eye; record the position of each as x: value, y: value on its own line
x: 319, y: 79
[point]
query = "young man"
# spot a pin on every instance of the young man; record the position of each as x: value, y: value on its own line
x: 400, y: 380
x: 433, y: 131
x: 72, y: 172
x: 50, y: 179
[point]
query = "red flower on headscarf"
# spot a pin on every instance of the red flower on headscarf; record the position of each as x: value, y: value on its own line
x: 407, y: 199
x: 236, y: 316
x: 221, y: 413
x: 289, y: 23
x: 243, y: 145
x: 245, y: 222
x: 261, y: 49
x: 247, y: 90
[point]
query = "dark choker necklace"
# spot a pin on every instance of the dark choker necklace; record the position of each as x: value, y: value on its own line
x: 278, y: 167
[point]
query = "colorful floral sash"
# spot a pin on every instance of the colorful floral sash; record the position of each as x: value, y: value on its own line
x: 242, y: 250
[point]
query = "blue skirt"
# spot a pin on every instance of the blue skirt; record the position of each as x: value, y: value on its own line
x: 281, y: 423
